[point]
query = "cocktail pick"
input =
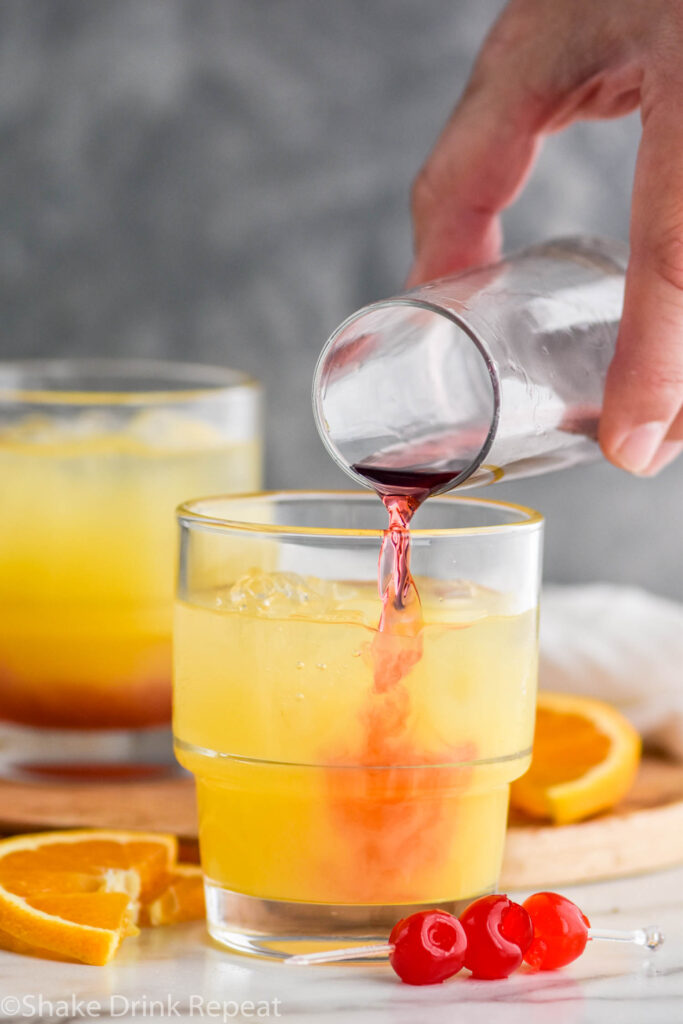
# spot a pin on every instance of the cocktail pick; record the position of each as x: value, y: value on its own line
x: 649, y: 937
x: 337, y: 956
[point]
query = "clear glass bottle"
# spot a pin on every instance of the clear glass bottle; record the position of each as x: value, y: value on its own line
x: 497, y: 371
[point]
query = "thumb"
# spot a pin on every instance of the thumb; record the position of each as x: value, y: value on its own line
x: 644, y: 388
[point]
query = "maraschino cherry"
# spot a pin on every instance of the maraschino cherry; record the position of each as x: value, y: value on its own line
x: 428, y: 947
x: 499, y: 933
x: 560, y: 931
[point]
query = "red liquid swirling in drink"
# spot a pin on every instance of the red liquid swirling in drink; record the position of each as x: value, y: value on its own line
x: 400, y: 805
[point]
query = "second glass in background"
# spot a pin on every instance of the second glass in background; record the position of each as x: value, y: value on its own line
x: 94, y: 457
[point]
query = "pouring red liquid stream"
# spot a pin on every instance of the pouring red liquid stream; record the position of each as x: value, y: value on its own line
x: 397, y: 645
x: 402, y: 491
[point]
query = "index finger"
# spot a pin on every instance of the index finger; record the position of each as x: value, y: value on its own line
x: 478, y: 166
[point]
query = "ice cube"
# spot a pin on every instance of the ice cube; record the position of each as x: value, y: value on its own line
x: 30, y: 430
x: 44, y: 430
x: 280, y: 594
x: 459, y: 601
x: 166, y: 429
x: 453, y: 590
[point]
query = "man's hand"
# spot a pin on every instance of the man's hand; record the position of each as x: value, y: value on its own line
x: 545, y: 64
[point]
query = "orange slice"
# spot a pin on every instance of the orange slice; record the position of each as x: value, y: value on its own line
x: 182, y: 900
x: 585, y: 759
x: 76, y: 894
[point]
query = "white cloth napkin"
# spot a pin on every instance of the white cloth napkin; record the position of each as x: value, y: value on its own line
x: 622, y: 645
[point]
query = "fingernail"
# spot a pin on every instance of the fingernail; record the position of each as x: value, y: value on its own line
x: 666, y: 453
x: 640, y: 447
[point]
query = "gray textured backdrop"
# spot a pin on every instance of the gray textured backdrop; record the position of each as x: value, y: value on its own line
x: 225, y: 180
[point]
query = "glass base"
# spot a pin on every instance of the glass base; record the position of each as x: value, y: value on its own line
x: 278, y: 929
x: 81, y: 755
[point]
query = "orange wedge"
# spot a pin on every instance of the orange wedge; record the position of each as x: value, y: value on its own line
x: 182, y: 899
x: 76, y: 894
x: 585, y: 759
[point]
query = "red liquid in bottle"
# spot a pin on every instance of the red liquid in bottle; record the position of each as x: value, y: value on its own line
x: 413, y: 484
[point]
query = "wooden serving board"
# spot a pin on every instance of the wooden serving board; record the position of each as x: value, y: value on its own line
x: 643, y: 834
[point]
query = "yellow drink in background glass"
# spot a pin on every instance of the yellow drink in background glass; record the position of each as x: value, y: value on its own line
x: 88, y: 540
x: 316, y: 788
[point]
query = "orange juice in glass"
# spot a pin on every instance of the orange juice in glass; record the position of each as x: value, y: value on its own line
x: 94, y: 457
x: 336, y: 794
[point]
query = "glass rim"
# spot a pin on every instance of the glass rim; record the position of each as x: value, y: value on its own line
x: 412, y: 300
x: 188, y: 515
x: 194, y: 381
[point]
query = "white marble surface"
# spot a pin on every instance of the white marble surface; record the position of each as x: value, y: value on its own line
x: 180, y: 968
